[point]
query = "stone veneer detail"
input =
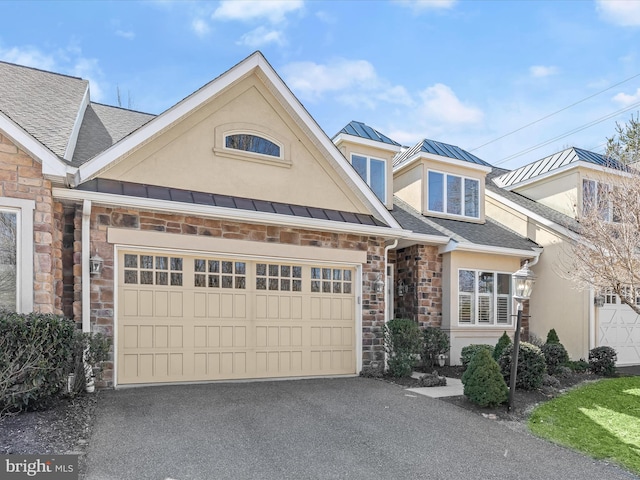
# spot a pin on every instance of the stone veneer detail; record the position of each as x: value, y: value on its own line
x: 21, y: 177
x: 102, y: 287
x: 420, y: 268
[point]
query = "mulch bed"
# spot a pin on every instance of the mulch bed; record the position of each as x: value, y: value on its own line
x: 524, y: 401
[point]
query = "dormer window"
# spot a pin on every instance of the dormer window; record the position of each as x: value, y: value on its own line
x: 453, y: 194
x: 374, y: 172
x: 252, y: 143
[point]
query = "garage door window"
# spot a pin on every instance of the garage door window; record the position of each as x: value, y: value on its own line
x: 152, y: 270
x: 330, y: 280
x: 219, y: 274
x: 285, y: 278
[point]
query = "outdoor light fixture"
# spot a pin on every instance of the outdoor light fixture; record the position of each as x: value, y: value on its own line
x: 378, y: 285
x: 402, y: 288
x: 598, y: 300
x: 523, y: 281
x: 95, y: 265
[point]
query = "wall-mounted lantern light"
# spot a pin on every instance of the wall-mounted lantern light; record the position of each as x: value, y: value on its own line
x: 402, y: 288
x: 377, y: 286
x: 95, y: 264
x: 598, y: 300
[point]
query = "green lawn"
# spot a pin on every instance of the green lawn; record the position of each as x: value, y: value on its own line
x: 601, y: 419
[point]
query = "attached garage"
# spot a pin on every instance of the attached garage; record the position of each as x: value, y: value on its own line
x: 619, y: 328
x: 184, y: 317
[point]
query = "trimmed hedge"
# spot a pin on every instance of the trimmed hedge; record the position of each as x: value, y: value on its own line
x: 602, y: 361
x: 436, y: 342
x: 531, y: 366
x: 467, y: 353
x: 36, y: 354
x: 403, y: 344
x: 555, y: 356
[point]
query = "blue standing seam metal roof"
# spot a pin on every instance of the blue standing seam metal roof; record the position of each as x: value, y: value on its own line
x: 441, y: 149
x: 362, y: 130
x: 555, y: 161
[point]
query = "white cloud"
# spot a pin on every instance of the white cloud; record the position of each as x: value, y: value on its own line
x: 128, y: 34
x: 261, y: 36
x: 354, y: 82
x: 540, y: 71
x: 424, y: 5
x: 200, y: 27
x: 625, y: 13
x: 440, y: 103
x: 312, y: 80
x: 28, y: 56
x: 274, y: 11
x: 627, y: 100
x: 88, y: 69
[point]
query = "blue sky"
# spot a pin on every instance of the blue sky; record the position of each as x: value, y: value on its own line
x: 460, y: 72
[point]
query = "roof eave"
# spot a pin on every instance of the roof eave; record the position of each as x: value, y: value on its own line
x: 52, y: 166
x: 234, y: 214
x: 366, y: 142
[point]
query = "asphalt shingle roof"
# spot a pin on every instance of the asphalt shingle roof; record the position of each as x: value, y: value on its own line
x: 531, y: 205
x: 555, y: 161
x: 103, y: 126
x: 438, y: 148
x: 360, y: 129
x: 489, y: 233
x: 44, y: 104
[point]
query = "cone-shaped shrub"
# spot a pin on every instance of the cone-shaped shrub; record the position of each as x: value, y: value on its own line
x: 552, y: 336
x: 483, y: 382
x: 467, y: 353
x: 503, y: 342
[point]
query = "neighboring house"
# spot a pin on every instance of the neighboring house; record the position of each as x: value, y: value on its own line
x: 541, y: 201
x: 453, y: 270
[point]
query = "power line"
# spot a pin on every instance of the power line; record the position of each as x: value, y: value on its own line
x: 554, y: 113
x: 566, y: 134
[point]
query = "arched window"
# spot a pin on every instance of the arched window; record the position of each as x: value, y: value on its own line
x: 252, y: 143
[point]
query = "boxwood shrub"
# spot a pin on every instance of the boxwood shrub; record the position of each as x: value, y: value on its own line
x: 602, y: 361
x: 531, y: 366
x: 36, y: 354
x: 555, y: 356
x: 403, y: 345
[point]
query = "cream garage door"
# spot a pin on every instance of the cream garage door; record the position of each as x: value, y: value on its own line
x: 200, y: 317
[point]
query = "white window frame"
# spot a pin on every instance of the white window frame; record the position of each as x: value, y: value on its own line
x: 24, y: 249
x: 368, y: 179
x: 475, y: 300
x: 463, y: 179
x: 597, y: 186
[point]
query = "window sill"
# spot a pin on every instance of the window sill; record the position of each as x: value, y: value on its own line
x: 252, y: 157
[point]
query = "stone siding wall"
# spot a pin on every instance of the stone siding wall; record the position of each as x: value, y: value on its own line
x: 419, y: 267
x: 21, y: 177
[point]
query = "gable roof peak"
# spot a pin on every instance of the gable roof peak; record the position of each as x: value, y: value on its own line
x: 437, y: 148
x: 362, y: 130
x: 555, y: 161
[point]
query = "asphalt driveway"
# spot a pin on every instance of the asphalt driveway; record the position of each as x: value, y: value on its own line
x: 326, y: 428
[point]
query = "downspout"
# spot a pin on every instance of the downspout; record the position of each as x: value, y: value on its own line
x: 386, y: 279
x: 86, y: 275
x: 386, y: 290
